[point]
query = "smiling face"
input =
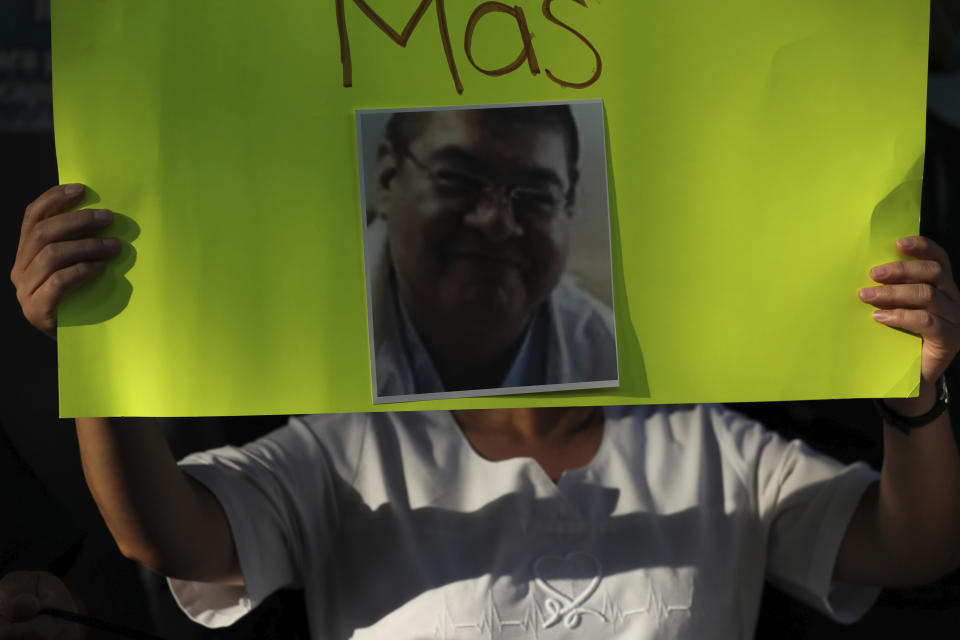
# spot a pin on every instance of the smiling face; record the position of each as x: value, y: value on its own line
x: 477, y: 219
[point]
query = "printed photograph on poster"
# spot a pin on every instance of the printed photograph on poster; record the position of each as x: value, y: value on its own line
x: 486, y: 237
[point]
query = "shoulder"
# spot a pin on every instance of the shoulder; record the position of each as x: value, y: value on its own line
x: 405, y: 457
x: 337, y: 438
x: 350, y: 438
x: 376, y: 452
x: 307, y: 445
x: 684, y: 421
x: 710, y: 433
x: 717, y: 437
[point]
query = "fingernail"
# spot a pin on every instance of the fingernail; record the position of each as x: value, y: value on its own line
x: 102, y: 215
x: 72, y: 190
x: 879, y: 272
x: 868, y: 294
x: 111, y: 243
x: 881, y: 315
x: 907, y: 243
x: 98, y: 265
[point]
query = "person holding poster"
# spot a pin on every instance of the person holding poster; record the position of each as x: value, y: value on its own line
x: 632, y: 522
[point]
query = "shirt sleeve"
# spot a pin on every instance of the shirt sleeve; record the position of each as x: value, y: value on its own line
x: 277, y: 492
x: 804, y: 501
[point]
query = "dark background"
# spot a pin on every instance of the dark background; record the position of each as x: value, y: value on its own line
x: 49, y: 521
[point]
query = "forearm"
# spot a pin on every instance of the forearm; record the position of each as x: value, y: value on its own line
x: 909, y: 527
x: 919, y: 498
x: 157, y: 514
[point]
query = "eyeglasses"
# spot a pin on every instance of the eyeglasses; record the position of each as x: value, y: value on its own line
x: 528, y: 204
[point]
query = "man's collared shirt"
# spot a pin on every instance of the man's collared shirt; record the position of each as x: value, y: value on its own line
x: 528, y: 368
x: 572, y: 338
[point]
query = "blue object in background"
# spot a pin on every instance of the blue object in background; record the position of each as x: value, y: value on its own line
x: 26, y: 101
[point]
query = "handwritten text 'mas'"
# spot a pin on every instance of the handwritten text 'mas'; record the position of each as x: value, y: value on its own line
x: 526, y: 56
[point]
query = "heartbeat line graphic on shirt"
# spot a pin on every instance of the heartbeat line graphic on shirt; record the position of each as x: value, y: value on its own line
x: 563, y: 603
x: 655, y: 606
x: 491, y: 622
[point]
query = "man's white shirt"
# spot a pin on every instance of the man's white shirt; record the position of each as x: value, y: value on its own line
x: 395, y: 527
x: 572, y: 338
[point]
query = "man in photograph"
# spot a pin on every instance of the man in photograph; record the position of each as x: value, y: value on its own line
x: 467, y: 252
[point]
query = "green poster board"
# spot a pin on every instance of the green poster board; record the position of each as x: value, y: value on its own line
x: 761, y: 155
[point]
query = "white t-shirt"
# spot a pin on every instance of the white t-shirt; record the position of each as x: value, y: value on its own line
x: 395, y: 527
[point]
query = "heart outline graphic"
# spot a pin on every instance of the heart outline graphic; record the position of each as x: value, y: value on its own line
x: 564, y: 607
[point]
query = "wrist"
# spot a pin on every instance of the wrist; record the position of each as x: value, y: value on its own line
x: 912, y: 407
x: 907, y: 414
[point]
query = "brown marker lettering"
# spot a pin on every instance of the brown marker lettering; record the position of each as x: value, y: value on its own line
x: 345, y: 60
x: 526, y: 54
x: 447, y: 47
x: 548, y: 12
x: 400, y: 37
